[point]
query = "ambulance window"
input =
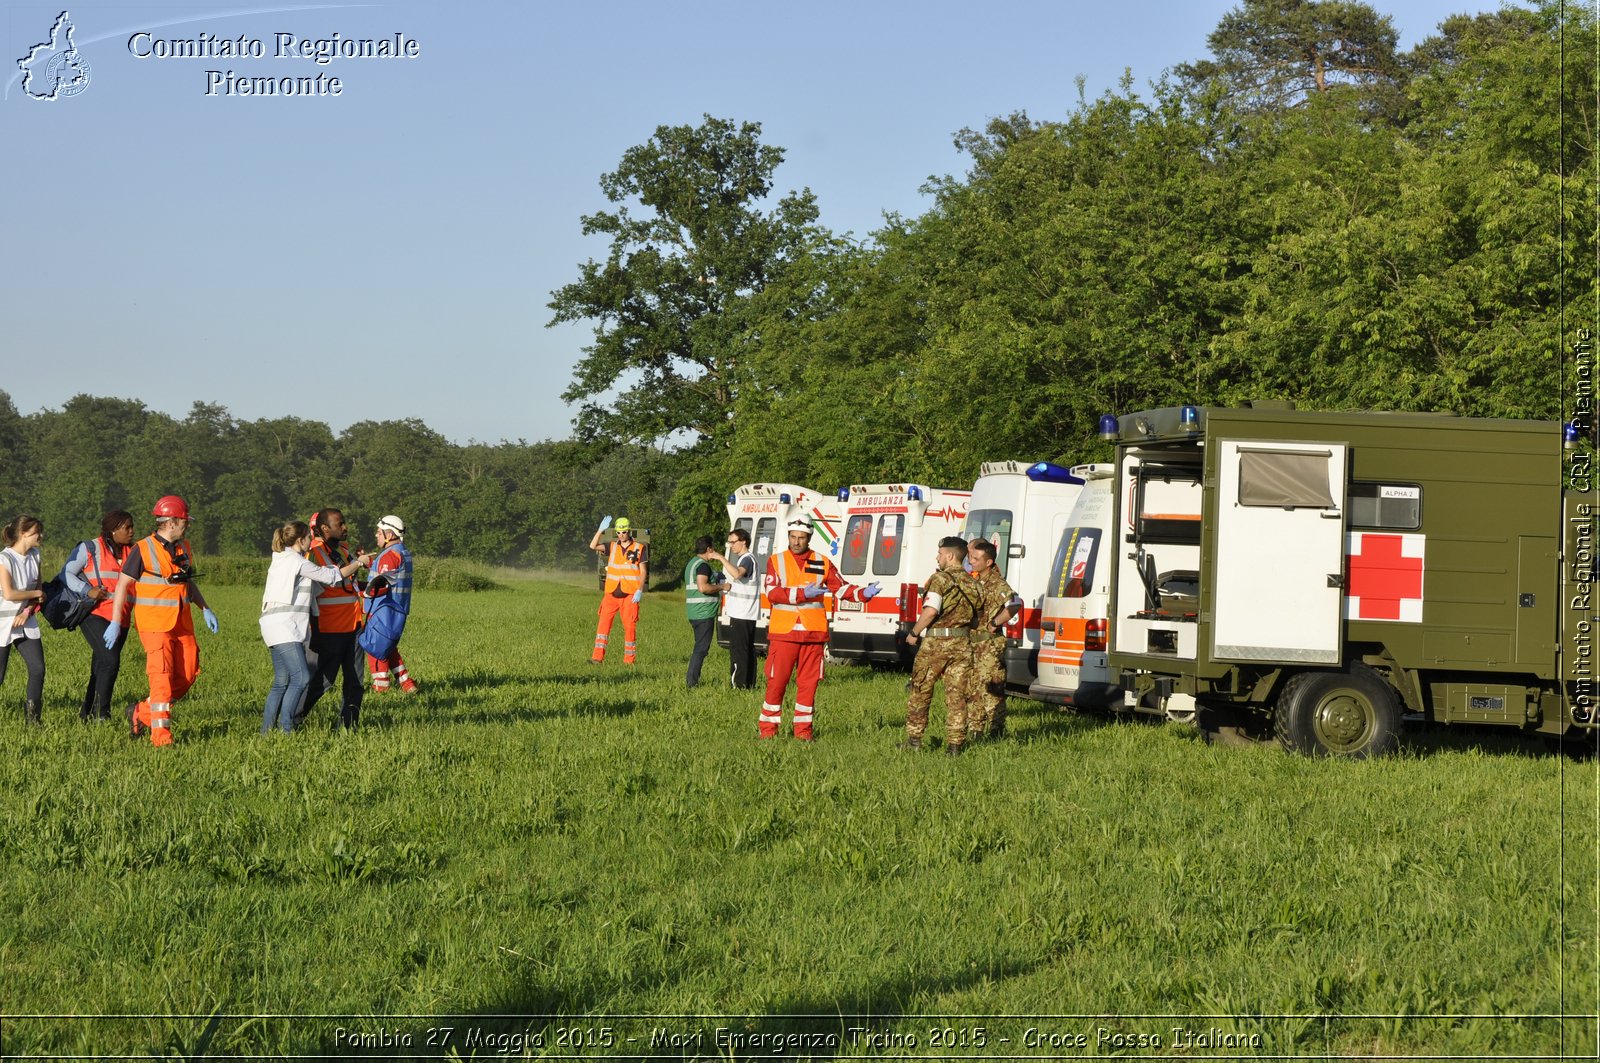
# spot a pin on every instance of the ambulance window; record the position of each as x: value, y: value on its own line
x: 1284, y: 479
x: 1072, y: 576
x: 765, y: 528
x: 1374, y: 505
x: 857, y: 544
x: 994, y: 525
x: 891, y: 536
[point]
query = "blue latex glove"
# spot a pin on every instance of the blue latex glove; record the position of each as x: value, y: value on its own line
x: 638, y: 595
x: 605, y: 522
x: 870, y: 591
x: 210, y: 618
x: 811, y: 590
x: 112, y: 631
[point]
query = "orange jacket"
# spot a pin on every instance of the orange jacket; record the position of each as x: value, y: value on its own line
x: 795, y: 619
x: 158, y: 604
x: 338, y: 604
x: 102, y: 569
x: 625, y: 568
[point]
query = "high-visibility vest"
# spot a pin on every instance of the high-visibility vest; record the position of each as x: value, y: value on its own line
x: 157, y: 603
x: 102, y: 568
x: 700, y: 605
x: 806, y: 617
x: 621, y: 573
x: 743, y: 599
x: 397, y: 579
x: 338, y: 604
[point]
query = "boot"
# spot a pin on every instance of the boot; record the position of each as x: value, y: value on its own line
x: 911, y: 745
x: 135, y: 728
x: 30, y: 710
x: 348, y: 715
x: 954, y: 750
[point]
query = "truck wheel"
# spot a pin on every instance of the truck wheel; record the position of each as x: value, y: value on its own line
x: 1343, y: 714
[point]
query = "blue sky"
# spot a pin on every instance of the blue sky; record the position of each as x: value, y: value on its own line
x: 388, y: 252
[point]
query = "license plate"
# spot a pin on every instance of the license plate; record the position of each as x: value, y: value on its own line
x: 852, y: 607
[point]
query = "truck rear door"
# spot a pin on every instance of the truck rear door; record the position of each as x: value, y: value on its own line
x: 1279, y: 570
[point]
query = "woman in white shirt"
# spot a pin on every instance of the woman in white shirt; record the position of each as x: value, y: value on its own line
x: 286, y: 618
x: 20, y: 596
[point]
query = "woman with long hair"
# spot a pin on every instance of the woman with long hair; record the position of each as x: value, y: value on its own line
x: 92, y: 570
x: 286, y: 618
x: 20, y: 597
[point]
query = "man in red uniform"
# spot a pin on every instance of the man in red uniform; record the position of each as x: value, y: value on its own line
x: 627, y: 574
x: 159, y: 574
x: 797, y: 631
x: 389, y: 578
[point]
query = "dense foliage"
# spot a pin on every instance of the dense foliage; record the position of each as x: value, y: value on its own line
x: 1307, y: 214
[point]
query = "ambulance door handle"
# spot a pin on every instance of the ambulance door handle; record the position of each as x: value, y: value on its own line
x: 1335, y: 579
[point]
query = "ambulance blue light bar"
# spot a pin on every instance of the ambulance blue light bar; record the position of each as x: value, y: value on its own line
x: 1570, y: 435
x: 784, y: 498
x: 1109, y: 429
x: 844, y: 494
x: 1046, y: 472
x: 1189, y: 420
x: 914, y: 493
x: 733, y: 499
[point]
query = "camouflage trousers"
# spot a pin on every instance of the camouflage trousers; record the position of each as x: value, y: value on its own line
x: 988, y: 711
x: 948, y: 658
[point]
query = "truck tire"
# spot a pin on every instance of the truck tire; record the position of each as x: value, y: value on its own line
x: 1353, y: 714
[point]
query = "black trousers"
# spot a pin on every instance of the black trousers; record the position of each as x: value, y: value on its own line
x: 742, y: 652
x: 703, y: 630
x: 104, y: 665
x: 336, y: 652
x: 32, y: 651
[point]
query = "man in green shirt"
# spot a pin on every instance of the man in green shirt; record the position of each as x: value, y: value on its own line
x: 702, y: 593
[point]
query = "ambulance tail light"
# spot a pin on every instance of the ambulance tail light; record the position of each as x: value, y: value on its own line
x: 1094, y: 635
x: 909, y: 603
x: 1014, y: 628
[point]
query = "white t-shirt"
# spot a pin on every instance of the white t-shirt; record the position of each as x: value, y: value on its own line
x: 743, y: 600
x: 286, y: 603
x: 24, y: 577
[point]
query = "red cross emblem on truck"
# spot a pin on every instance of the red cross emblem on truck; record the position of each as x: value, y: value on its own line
x: 1385, y: 577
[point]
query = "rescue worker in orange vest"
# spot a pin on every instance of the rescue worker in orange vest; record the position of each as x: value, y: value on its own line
x: 627, y: 574
x: 797, y: 631
x: 336, y: 617
x: 159, y: 574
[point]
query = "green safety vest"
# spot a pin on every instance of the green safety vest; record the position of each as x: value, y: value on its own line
x: 700, y: 606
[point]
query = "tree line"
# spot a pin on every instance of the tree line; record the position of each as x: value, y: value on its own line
x: 1306, y: 213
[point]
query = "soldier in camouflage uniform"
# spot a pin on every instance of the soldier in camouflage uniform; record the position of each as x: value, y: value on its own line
x: 951, y: 608
x: 987, y: 717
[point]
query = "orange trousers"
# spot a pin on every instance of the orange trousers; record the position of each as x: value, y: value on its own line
x: 172, y: 661
x: 609, y: 608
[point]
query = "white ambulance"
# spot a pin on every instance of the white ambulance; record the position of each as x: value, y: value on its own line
x: 1023, y: 509
x: 890, y: 535
x: 764, y: 511
x: 1073, y: 618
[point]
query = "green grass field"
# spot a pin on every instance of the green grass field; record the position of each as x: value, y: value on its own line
x: 539, y: 856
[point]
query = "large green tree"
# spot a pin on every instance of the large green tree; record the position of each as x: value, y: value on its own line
x: 1273, y: 54
x: 669, y: 302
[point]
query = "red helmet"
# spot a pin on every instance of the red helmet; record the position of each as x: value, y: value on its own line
x: 171, y: 506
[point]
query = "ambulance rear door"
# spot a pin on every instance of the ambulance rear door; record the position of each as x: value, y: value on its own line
x: 1279, y: 559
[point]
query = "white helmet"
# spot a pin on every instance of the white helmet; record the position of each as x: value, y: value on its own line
x: 800, y: 525
x: 393, y: 525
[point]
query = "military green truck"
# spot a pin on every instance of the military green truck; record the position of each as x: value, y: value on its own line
x: 1322, y: 575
